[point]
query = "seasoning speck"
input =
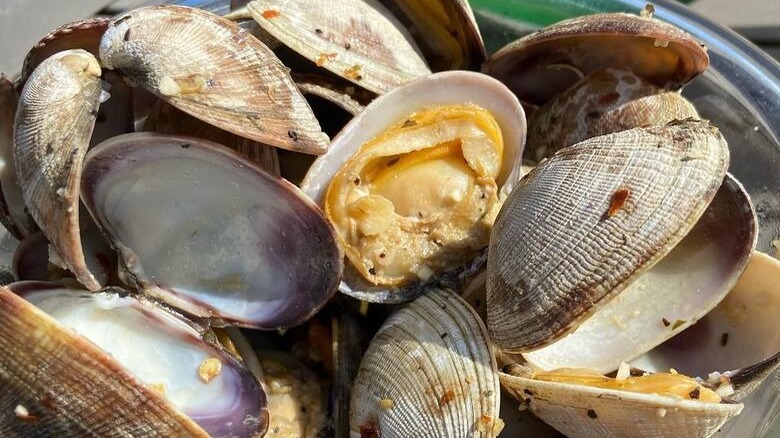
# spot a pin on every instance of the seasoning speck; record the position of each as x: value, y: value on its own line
x: 270, y: 13
x: 293, y: 135
x: 353, y: 72
x: 592, y: 414
x: 666, y: 322
x: 324, y: 58
x: 695, y: 393
x: 386, y: 403
x: 409, y: 122
x: 617, y: 202
x: 678, y: 323
x: 318, y: 31
x: 209, y: 369
x: 370, y: 430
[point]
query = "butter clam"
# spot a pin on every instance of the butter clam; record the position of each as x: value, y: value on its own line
x: 207, y: 231
x: 77, y: 364
x: 418, y: 175
x: 428, y: 372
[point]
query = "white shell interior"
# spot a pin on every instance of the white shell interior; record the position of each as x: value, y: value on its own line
x: 154, y: 347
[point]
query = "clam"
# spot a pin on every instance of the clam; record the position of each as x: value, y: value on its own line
x: 428, y: 372
x: 76, y: 363
x: 53, y: 126
x: 209, y: 232
x: 603, y: 102
x: 586, y: 223
x: 13, y: 215
x: 545, y: 63
x: 583, y: 404
x: 357, y: 40
x: 671, y: 296
x: 222, y: 75
x: 412, y: 183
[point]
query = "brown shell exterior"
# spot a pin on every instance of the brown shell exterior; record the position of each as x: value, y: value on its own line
x: 83, y: 34
x: 651, y: 49
x: 54, y: 123
x: 12, y: 209
x: 225, y: 76
x: 585, y: 223
x: 70, y: 387
x: 603, y: 102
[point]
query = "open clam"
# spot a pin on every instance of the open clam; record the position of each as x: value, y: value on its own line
x: 412, y: 183
x: 543, y: 64
x: 428, y: 372
x: 76, y: 363
x: 203, y: 229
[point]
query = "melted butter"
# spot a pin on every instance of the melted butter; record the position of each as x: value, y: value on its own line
x: 665, y: 384
x: 421, y: 196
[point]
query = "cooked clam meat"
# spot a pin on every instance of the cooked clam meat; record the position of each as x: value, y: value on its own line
x: 421, y: 196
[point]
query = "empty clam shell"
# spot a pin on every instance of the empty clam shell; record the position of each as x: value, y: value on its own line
x: 54, y: 123
x: 586, y: 223
x: 221, y: 74
x: 681, y: 288
x: 12, y: 209
x: 445, y: 30
x: 358, y: 40
x: 210, y: 233
x: 545, y: 63
x: 604, y: 102
x: 739, y: 338
x: 113, y: 366
x: 415, y: 133
x: 428, y: 372
x: 580, y: 411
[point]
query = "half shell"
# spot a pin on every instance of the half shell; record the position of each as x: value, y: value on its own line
x: 57, y: 381
x: 54, y: 123
x: 209, y: 232
x: 428, y: 372
x: 13, y: 214
x: 221, y: 74
x: 359, y: 40
x: 586, y: 223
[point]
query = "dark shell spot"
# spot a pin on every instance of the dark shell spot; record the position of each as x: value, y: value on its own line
x: 724, y: 339
x: 593, y: 115
x: 592, y: 414
x: 527, y: 391
x: 185, y: 146
x: 370, y: 430
x: 609, y: 98
x: 126, y: 38
x: 666, y: 322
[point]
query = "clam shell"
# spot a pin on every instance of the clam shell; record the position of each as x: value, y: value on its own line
x: 445, y: 30
x: 681, y: 288
x: 602, y: 103
x: 359, y: 40
x: 585, y: 412
x: 438, y: 89
x: 210, y: 233
x: 83, y: 34
x: 82, y: 390
x: 221, y: 75
x: 428, y: 372
x: 545, y: 63
x: 586, y: 223
x: 12, y: 209
x: 343, y: 100
x: 740, y: 338
x: 166, y: 119
x: 54, y: 123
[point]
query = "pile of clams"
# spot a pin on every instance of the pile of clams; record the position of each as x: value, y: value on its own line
x: 315, y: 219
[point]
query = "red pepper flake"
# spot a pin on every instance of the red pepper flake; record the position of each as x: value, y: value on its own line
x: 270, y: 13
x: 447, y: 397
x: 324, y: 58
x: 618, y: 200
